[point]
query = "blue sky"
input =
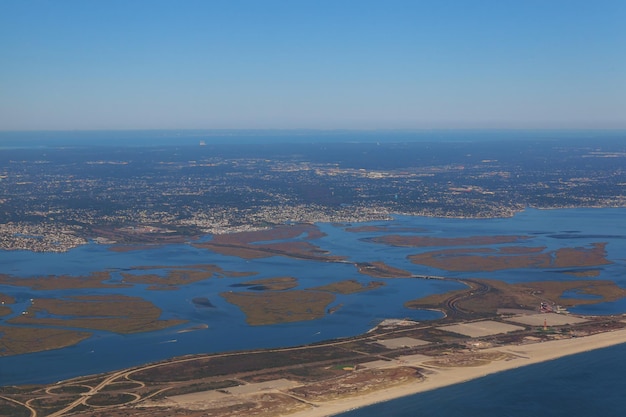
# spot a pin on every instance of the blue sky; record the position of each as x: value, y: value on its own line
x: 332, y: 64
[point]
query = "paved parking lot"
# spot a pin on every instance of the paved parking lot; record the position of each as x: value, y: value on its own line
x: 481, y: 328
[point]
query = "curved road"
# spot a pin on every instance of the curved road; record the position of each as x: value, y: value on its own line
x: 475, y: 289
x: 33, y: 412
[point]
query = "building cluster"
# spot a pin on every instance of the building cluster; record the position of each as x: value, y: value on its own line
x: 39, y: 237
x: 55, y: 200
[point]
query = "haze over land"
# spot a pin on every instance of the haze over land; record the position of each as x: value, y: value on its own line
x: 272, y: 207
x: 58, y: 197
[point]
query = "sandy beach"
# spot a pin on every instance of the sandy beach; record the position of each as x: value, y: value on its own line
x: 524, y: 355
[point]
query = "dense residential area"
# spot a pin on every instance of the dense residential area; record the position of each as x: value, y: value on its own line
x: 55, y: 198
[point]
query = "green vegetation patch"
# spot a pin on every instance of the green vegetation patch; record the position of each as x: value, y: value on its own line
x: 180, y: 275
x: 237, y: 363
x: 425, y: 241
x: 269, y: 284
x: 283, y: 240
x: 280, y: 307
x: 20, y: 389
x: 4, y: 310
x: 9, y: 408
x: 527, y: 295
x: 70, y: 389
x: 487, y: 259
x: 115, y: 313
x: 200, y: 387
x: 310, y: 373
x: 110, y: 399
x: 380, y: 269
x: 606, y: 291
x: 61, y: 282
x: 582, y: 273
x: 349, y: 286
x: 52, y: 404
x: 121, y: 386
x: 18, y: 340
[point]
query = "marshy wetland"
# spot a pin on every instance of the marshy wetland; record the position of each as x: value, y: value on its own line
x: 296, y: 284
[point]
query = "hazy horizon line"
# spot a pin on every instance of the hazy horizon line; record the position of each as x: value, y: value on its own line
x: 330, y: 130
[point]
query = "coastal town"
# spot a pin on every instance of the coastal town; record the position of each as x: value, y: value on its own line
x: 55, y: 199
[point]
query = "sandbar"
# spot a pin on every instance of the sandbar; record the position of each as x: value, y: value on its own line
x: 523, y: 355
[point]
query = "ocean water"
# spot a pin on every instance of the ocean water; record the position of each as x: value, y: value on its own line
x: 226, y: 327
x: 587, y: 384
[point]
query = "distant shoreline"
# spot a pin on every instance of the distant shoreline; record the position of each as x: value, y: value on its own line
x: 527, y: 354
x: 72, y: 241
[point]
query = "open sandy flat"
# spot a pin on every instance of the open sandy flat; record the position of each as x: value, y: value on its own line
x: 378, y: 364
x: 401, y: 342
x: 440, y: 377
x: 231, y: 396
x: 186, y: 399
x: 412, y: 360
x: 276, y: 384
x: 551, y: 319
x: 481, y: 328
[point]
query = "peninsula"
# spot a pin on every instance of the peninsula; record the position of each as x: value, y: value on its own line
x: 394, y: 359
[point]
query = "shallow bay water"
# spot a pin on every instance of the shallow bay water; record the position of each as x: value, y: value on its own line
x: 225, y: 324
